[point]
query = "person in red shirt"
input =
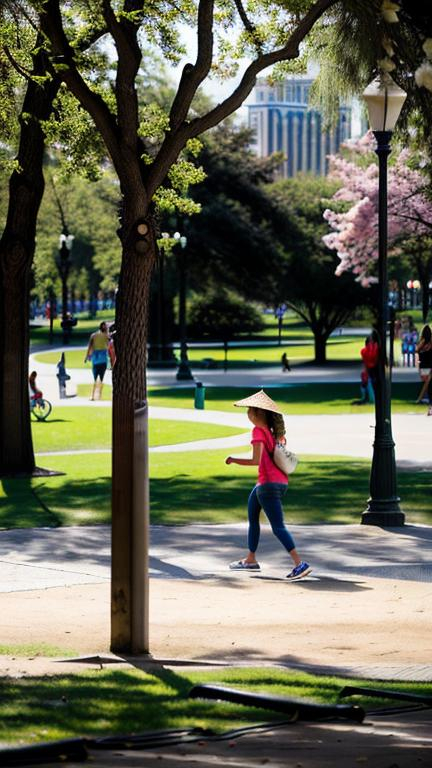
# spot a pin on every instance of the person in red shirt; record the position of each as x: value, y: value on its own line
x: 271, y: 486
x: 35, y: 392
x: 370, y: 357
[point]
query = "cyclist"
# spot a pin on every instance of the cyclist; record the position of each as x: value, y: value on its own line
x: 35, y: 393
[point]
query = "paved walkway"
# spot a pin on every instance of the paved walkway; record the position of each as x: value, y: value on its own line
x: 363, y: 611
x: 53, y: 557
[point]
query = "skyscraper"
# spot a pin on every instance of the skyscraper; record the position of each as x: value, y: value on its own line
x: 282, y: 121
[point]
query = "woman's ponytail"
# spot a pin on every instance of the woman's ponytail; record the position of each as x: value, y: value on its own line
x: 276, y: 424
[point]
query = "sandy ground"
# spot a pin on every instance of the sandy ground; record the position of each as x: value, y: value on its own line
x: 368, y: 624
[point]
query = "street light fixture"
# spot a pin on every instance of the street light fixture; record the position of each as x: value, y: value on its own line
x: 184, y: 372
x: 162, y: 346
x: 384, y: 100
x: 413, y: 286
x: 64, y: 264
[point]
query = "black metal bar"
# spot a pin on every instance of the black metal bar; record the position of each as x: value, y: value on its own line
x: 299, y: 709
x: 41, y: 754
x: 379, y: 693
x: 184, y: 371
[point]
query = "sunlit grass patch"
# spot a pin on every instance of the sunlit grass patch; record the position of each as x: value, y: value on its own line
x: 107, y: 702
x: 198, y: 487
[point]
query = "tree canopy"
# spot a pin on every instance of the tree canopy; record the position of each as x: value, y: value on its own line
x: 310, y: 286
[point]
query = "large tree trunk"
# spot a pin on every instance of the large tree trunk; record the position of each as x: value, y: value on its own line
x: 320, y: 342
x: 130, y: 496
x: 16, y: 256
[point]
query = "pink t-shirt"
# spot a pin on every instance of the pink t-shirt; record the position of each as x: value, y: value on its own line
x: 268, y: 472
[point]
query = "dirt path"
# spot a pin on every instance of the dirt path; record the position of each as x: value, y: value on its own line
x: 369, y: 626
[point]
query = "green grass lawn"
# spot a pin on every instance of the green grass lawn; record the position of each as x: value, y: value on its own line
x: 39, y: 335
x: 120, y: 702
x: 85, y: 390
x: 198, y: 487
x: 344, y: 348
x: 332, y: 398
x: 78, y: 428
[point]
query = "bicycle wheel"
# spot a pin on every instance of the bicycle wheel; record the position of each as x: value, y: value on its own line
x: 42, y: 409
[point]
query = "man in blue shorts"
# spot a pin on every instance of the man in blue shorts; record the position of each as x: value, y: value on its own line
x: 97, y: 352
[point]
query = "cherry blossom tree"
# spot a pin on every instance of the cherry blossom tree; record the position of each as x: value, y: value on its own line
x: 353, y: 216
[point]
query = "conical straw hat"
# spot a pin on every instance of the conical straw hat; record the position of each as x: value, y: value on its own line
x: 259, y: 400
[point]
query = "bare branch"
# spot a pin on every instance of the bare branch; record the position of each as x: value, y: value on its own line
x: 418, y: 219
x: 59, y: 206
x: 21, y: 71
x: 295, y: 308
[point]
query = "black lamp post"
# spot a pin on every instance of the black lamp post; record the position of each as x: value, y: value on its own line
x: 64, y: 264
x: 161, y: 351
x: 184, y: 372
x: 384, y: 101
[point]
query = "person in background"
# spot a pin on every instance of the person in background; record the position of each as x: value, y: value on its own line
x: 111, y: 345
x: 35, y: 393
x: 97, y: 352
x: 271, y: 486
x: 424, y: 352
x: 370, y: 356
x: 365, y: 387
x: 285, y: 363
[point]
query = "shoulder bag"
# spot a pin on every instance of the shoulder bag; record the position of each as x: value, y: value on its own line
x: 284, y: 459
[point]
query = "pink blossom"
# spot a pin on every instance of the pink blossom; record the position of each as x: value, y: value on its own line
x: 354, y: 232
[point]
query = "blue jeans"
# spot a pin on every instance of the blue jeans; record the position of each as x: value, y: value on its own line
x: 268, y: 497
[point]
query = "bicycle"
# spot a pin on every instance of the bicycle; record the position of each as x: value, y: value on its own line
x: 40, y: 408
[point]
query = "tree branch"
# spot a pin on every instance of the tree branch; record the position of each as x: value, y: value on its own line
x: 177, y: 138
x: 289, y: 51
x: 418, y: 219
x: 60, y: 207
x: 194, y: 74
x: 62, y: 53
x: 124, y: 33
x: 13, y: 62
x: 249, y: 27
x: 298, y: 311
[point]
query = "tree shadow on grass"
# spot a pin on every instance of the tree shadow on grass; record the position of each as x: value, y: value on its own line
x: 20, y: 507
x: 49, y: 420
x: 324, y: 491
x: 109, y: 702
x: 54, y: 501
x: 320, y: 492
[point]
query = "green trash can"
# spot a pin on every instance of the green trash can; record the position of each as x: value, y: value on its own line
x: 199, y: 395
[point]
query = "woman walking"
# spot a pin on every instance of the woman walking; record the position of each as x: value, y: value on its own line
x: 271, y: 486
